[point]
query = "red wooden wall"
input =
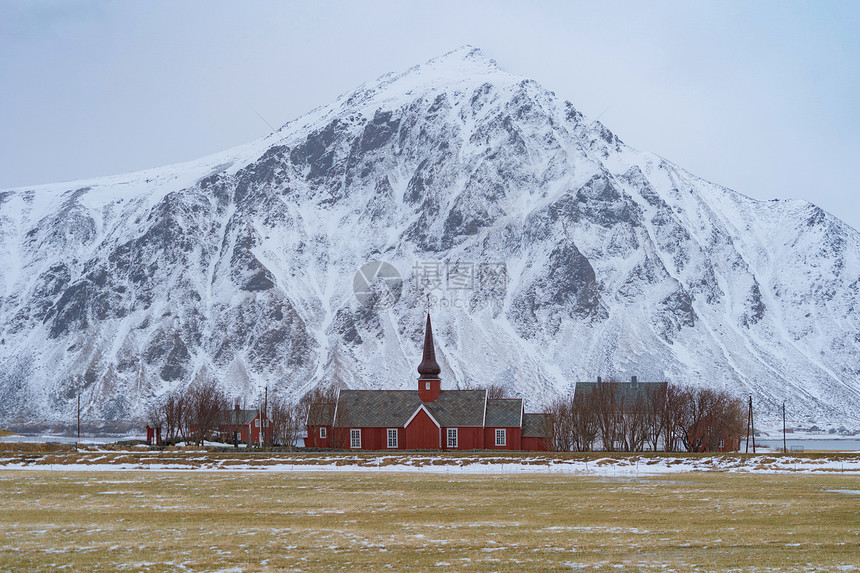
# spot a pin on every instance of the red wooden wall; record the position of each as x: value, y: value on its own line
x: 314, y: 441
x: 373, y: 439
x: 535, y: 445
x: 421, y: 434
x: 467, y: 439
x: 512, y: 439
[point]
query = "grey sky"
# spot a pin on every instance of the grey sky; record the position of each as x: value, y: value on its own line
x: 759, y: 96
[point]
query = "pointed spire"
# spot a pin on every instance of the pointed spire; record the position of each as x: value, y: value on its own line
x: 429, y: 368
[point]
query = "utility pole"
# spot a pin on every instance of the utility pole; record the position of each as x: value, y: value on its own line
x: 264, y: 424
x: 749, y: 422
x: 79, y: 419
x: 784, y: 446
x: 752, y: 423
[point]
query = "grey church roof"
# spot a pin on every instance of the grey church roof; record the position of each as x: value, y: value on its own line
x: 375, y: 408
x: 535, y: 425
x: 504, y: 412
x: 459, y: 408
x: 393, y: 408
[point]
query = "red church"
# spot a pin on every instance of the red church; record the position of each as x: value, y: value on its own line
x: 427, y: 419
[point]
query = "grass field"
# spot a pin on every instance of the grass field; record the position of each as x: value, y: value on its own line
x: 259, y: 521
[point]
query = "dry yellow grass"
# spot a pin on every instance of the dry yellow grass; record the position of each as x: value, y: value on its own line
x: 248, y: 521
x: 36, y: 447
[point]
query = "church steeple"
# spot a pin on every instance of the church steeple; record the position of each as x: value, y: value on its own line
x: 429, y: 368
x: 428, y: 380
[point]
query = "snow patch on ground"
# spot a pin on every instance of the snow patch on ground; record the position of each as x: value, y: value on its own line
x: 608, y: 466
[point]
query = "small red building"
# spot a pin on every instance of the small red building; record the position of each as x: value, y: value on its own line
x: 153, y: 435
x: 427, y: 419
x: 245, y: 426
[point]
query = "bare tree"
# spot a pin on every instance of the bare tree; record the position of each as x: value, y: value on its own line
x: 632, y: 422
x: 174, y: 406
x: 318, y: 395
x: 734, y: 417
x: 605, y: 404
x: 206, y: 406
x: 547, y: 430
x: 186, y: 417
x: 155, y: 414
x: 695, y: 427
x: 720, y: 418
x: 694, y: 419
x: 655, y: 412
x: 584, y: 422
x: 286, y: 421
x: 167, y: 414
x: 573, y: 423
x: 562, y: 424
x: 675, y: 417
x: 702, y: 418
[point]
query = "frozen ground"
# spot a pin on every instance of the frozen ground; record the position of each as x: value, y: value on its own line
x: 619, y: 465
x: 412, y: 521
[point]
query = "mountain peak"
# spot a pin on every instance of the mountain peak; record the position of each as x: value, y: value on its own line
x: 468, y: 54
x: 459, y: 64
x: 462, y: 68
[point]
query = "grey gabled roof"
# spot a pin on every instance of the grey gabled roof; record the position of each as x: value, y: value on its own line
x: 536, y: 425
x: 375, y: 408
x: 628, y: 391
x: 321, y: 414
x: 459, y: 408
x: 238, y: 417
x: 504, y: 412
x: 393, y: 408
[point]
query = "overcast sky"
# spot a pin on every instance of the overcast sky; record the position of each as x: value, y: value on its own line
x: 761, y: 97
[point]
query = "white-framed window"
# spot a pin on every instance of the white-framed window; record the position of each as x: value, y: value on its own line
x: 452, y: 437
x: 392, y: 437
x: 427, y: 385
x: 355, y: 438
x: 322, y: 433
x: 257, y: 423
x: 501, y: 437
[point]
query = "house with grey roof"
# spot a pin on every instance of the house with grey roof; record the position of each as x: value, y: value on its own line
x: 250, y: 426
x: 427, y: 418
x: 628, y: 392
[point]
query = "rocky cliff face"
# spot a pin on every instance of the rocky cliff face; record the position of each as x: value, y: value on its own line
x: 553, y: 252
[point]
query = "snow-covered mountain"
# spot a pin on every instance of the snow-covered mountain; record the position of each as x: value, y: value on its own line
x: 562, y: 255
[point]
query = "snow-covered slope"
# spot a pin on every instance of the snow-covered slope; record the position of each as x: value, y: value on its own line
x: 579, y: 256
